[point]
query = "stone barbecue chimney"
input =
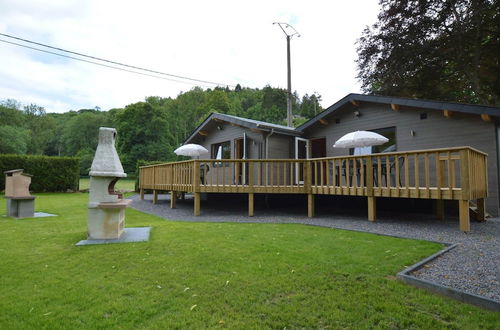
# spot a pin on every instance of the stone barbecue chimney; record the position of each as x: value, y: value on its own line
x: 106, y: 217
x: 20, y: 203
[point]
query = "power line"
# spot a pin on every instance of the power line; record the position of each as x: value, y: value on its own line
x: 108, y: 61
x: 105, y: 65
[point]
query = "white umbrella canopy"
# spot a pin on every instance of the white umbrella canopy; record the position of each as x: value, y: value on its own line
x: 219, y: 153
x: 193, y: 150
x: 360, y: 139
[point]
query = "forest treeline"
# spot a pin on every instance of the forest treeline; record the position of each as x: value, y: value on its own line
x: 148, y: 130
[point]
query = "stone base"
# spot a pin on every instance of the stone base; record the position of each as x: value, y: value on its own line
x: 21, y: 207
x: 105, y: 223
x: 140, y: 234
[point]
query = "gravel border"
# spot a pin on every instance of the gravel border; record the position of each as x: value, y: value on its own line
x: 481, y: 301
x: 473, y: 266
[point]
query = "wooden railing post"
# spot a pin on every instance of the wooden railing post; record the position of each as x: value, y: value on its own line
x: 307, y: 176
x: 141, y: 182
x: 369, y: 176
x: 251, y: 193
x: 155, y: 192
x: 170, y: 176
x: 372, y: 202
x: 173, y: 199
x: 308, y: 187
x: 481, y: 209
x: 195, y: 184
x: 250, y: 175
x: 440, y: 182
x: 465, y: 183
x: 464, y: 173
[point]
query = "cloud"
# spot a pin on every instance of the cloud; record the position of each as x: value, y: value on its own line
x: 223, y: 41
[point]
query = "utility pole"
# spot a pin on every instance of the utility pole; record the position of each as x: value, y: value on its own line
x: 292, y: 32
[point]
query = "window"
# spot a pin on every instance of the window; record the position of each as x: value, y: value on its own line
x: 225, y: 150
x: 389, y: 146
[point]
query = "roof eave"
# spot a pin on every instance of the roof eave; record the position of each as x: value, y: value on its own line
x: 242, y: 123
x: 423, y: 104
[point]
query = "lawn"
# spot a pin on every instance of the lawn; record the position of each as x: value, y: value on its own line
x: 199, y: 275
x: 123, y: 185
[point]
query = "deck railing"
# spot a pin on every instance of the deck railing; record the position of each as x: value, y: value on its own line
x: 456, y: 173
x: 452, y: 173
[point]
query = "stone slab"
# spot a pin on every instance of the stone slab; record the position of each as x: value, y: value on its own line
x: 43, y: 215
x: 138, y: 234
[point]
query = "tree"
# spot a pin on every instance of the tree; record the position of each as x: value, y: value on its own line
x: 10, y: 114
x: 142, y: 134
x: 273, y: 105
x: 55, y: 146
x: 13, y: 140
x: 217, y: 101
x: 81, y: 131
x: 86, y: 157
x: 185, y: 113
x: 40, y: 126
x: 447, y: 50
x: 310, y: 106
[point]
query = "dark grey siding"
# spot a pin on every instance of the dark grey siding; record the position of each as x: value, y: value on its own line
x: 434, y: 132
x: 280, y: 147
x: 228, y: 133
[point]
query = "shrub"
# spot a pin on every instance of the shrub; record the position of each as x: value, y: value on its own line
x: 86, y: 157
x: 50, y: 174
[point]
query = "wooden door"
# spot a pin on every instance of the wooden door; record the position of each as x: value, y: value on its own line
x: 318, y: 150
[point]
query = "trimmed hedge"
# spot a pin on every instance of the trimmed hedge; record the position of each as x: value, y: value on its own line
x: 50, y: 174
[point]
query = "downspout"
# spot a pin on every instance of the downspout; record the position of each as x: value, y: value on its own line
x: 267, y: 142
x: 266, y: 197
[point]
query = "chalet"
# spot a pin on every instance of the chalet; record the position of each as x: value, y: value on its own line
x: 436, y: 150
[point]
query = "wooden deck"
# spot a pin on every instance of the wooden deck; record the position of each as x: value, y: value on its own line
x: 440, y: 174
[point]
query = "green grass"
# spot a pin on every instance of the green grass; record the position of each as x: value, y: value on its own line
x: 198, y: 275
x: 121, y: 185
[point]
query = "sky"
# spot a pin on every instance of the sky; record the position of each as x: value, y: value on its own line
x: 228, y: 42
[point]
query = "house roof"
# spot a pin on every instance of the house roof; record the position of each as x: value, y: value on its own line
x: 402, y: 101
x: 244, y: 122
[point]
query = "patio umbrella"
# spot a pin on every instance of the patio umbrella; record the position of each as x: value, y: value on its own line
x: 360, y: 139
x: 193, y: 150
x: 219, y: 153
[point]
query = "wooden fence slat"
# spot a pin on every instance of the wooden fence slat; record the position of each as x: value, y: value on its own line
x: 387, y: 172
x: 407, y: 171
x: 427, y: 174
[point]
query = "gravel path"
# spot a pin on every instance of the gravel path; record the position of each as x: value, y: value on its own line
x: 473, y: 266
